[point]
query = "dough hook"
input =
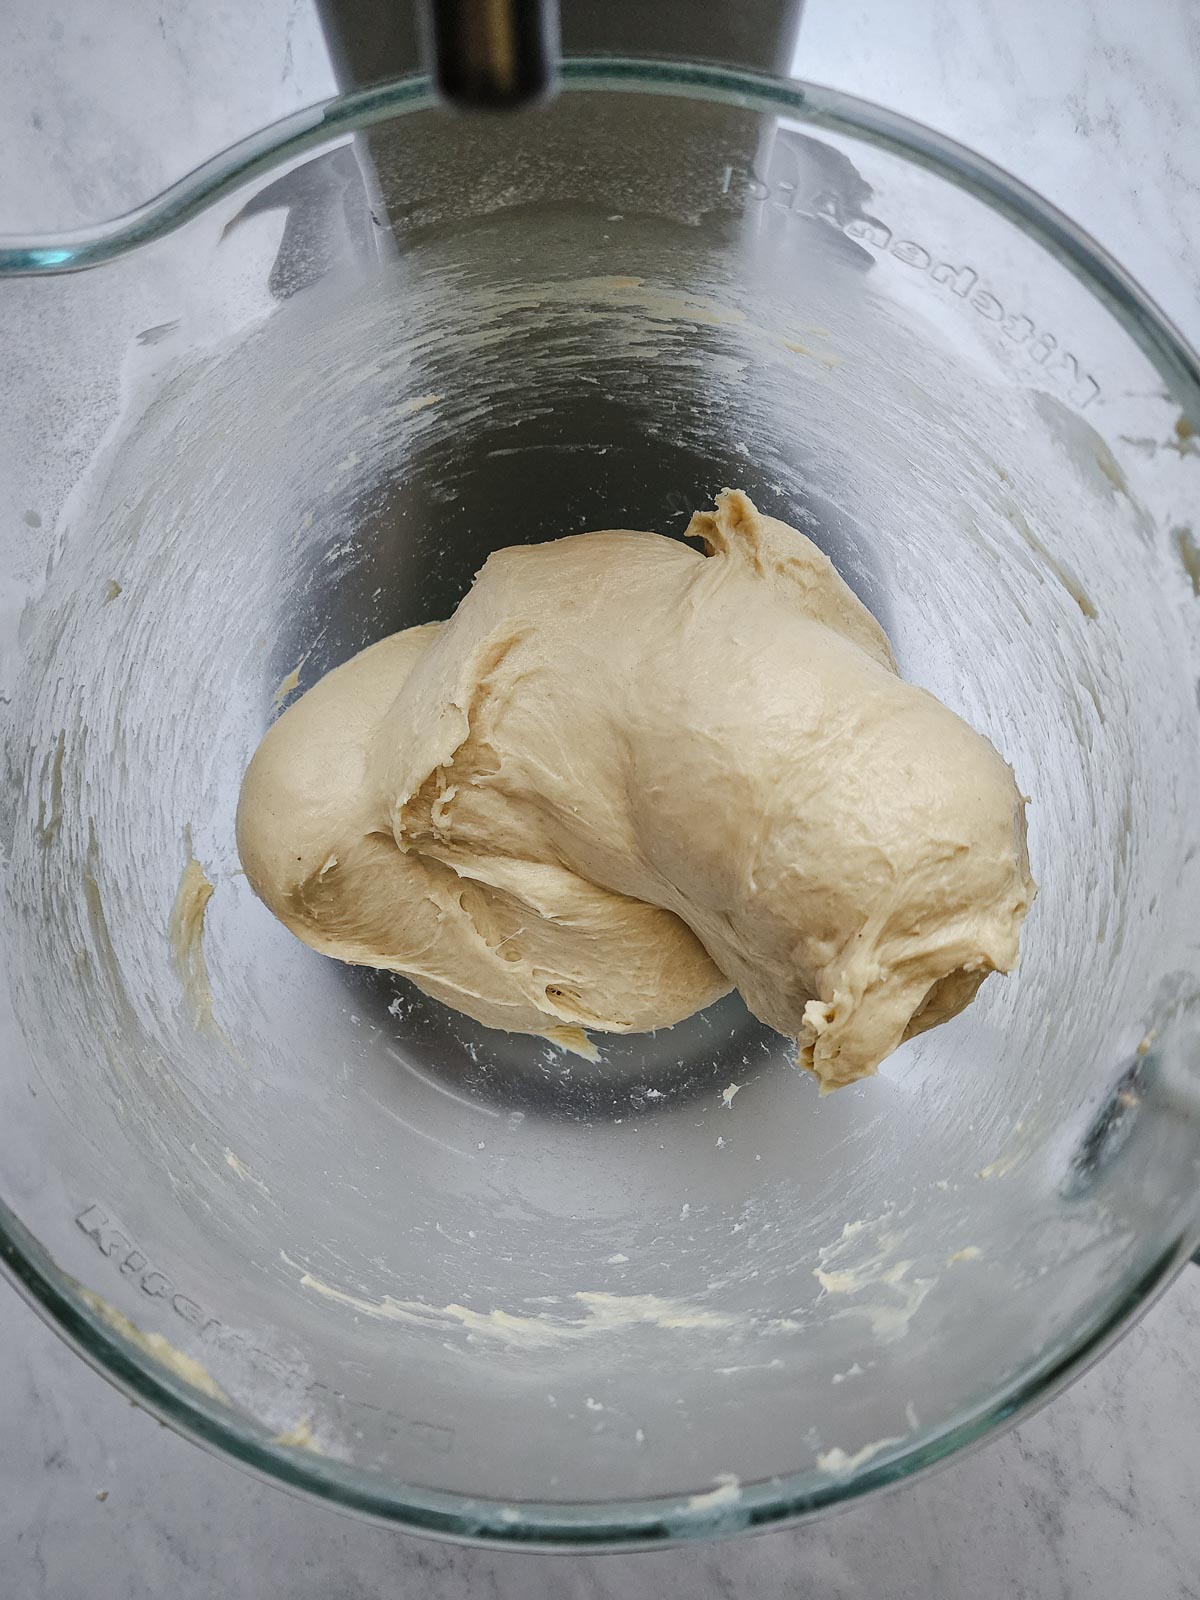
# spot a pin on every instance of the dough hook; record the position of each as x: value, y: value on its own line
x: 492, y: 54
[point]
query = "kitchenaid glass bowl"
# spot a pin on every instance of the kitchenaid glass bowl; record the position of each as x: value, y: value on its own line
x: 463, y: 1281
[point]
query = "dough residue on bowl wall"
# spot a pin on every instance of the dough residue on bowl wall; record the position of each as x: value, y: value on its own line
x: 186, y: 935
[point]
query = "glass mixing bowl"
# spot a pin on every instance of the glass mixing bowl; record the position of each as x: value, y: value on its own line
x: 461, y: 1280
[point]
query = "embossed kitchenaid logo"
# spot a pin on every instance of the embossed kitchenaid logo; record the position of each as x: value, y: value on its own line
x: 366, y: 1420
x: 132, y: 1263
x: 958, y: 279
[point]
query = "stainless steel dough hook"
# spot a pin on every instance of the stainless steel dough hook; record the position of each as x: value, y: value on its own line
x: 492, y: 54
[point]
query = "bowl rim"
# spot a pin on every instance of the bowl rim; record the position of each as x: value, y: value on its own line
x: 579, y: 1526
x: 633, y: 1523
x: 291, y: 136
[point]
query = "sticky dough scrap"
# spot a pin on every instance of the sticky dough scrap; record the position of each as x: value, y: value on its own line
x: 626, y: 776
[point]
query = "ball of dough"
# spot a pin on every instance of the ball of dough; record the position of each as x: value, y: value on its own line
x: 626, y: 776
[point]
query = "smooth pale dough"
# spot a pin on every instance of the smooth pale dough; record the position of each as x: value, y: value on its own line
x: 625, y: 777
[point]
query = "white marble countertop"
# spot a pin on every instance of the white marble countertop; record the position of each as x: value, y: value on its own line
x: 1095, y: 1496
